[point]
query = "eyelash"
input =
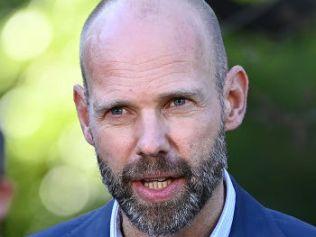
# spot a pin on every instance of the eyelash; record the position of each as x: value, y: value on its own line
x: 184, y: 100
x: 116, y: 108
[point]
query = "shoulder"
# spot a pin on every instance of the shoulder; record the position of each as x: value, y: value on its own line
x: 292, y: 226
x: 253, y: 219
x: 95, y: 221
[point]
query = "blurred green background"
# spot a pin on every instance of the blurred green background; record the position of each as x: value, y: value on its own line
x: 55, y: 172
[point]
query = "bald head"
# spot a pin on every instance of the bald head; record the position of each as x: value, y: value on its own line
x: 192, y: 25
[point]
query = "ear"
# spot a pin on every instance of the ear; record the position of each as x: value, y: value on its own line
x: 235, y: 97
x: 83, y: 112
x: 6, y: 194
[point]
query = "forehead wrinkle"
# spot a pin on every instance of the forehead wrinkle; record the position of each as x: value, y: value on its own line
x: 127, y: 70
x: 140, y: 82
x: 153, y: 59
x: 118, y: 85
x: 138, y: 68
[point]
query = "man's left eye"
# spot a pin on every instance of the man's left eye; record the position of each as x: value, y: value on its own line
x: 178, y: 102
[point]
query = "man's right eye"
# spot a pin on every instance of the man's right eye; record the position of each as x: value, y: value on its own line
x: 117, y: 111
x: 119, y: 115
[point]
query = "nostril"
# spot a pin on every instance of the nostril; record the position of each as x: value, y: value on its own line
x: 152, y: 148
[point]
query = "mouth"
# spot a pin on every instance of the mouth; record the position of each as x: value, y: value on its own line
x: 157, y: 184
x: 158, y: 189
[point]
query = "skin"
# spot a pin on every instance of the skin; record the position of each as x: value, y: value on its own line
x: 152, y: 91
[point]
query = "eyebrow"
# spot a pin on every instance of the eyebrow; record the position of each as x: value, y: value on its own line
x: 192, y: 93
x: 101, y: 107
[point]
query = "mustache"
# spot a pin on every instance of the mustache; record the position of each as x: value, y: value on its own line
x: 158, y: 165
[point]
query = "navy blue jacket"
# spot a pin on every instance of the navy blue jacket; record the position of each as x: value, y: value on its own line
x: 251, y: 219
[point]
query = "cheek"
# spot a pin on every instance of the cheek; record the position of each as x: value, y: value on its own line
x: 194, y: 137
x: 114, y: 146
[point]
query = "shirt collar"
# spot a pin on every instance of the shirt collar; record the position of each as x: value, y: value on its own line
x: 222, y: 228
x: 224, y: 224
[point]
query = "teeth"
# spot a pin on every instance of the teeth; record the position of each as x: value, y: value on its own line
x: 158, y: 184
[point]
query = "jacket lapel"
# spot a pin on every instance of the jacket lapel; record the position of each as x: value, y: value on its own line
x: 251, y: 219
x: 97, y: 224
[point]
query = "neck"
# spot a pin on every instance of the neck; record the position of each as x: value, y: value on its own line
x: 202, y: 225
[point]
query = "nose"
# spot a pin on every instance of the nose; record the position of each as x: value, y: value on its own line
x: 153, y: 139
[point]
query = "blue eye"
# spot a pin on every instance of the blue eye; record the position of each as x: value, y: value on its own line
x: 116, y: 111
x: 179, y: 101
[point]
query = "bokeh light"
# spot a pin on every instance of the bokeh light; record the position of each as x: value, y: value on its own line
x: 75, y: 151
x: 64, y: 191
x: 15, y: 107
x: 26, y: 34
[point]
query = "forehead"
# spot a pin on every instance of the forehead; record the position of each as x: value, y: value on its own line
x: 123, y: 41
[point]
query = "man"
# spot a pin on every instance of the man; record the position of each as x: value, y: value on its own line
x: 156, y: 103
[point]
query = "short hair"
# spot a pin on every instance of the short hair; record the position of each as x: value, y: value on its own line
x: 212, y: 27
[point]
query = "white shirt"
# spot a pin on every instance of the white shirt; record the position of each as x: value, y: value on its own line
x: 222, y: 228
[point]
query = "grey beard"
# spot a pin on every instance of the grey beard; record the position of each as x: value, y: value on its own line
x: 165, y: 218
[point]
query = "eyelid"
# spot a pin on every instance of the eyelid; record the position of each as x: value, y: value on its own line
x: 178, y: 98
x: 109, y: 111
x: 170, y: 104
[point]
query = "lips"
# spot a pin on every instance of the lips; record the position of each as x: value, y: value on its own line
x: 158, y: 189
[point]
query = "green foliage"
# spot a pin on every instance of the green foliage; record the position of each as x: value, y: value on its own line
x: 277, y: 141
x: 46, y: 152
x: 55, y: 172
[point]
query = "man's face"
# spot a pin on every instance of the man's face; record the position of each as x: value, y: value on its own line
x: 156, y: 122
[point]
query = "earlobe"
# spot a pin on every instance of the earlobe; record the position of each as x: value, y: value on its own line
x: 83, y: 112
x: 235, y: 97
